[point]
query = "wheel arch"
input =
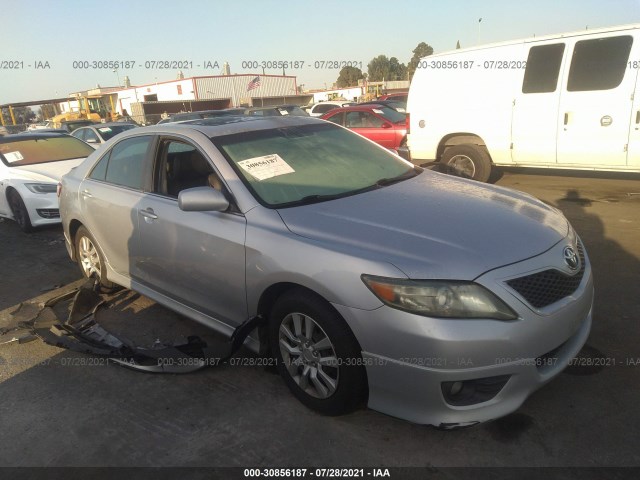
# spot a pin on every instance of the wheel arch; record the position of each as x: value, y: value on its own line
x: 74, y: 225
x: 461, y: 138
x: 270, y: 296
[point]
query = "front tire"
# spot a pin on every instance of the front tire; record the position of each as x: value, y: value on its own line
x: 90, y: 258
x: 468, y: 161
x: 317, y: 355
x: 19, y: 211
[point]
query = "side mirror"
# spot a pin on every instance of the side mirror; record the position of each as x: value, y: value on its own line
x: 202, y: 199
x: 386, y: 125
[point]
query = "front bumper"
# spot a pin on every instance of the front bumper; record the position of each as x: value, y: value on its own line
x: 414, y: 392
x: 409, y: 357
x: 404, y: 153
x: 42, y: 207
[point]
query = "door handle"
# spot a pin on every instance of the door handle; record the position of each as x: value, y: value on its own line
x: 148, y: 213
x: 86, y: 194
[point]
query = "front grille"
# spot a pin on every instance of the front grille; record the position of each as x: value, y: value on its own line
x: 48, y: 212
x: 547, y: 287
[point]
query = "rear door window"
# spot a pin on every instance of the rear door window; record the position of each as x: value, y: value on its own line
x: 80, y: 133
x: 90, y: 135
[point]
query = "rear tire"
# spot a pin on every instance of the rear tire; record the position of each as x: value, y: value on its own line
x: 317, y: 355
x: 19, y: 211
x: 90, y: 258
x: 468, y: 161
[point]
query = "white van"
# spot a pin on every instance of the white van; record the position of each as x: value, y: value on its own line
x: 561, y: 101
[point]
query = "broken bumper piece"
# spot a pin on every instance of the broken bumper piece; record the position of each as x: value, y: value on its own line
x: 80, y: 332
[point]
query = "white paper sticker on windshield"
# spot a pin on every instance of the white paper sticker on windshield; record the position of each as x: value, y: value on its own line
x: 265, y: 167
x: 13, y: 156
x: 104, y: 129
x: 284, y: 112
x: 378, y: 111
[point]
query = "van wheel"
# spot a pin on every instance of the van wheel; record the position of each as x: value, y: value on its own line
x: 469, y: 161
x: 317, y: 355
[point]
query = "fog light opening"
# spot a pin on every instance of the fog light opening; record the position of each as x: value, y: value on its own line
x: 470, y: 392
x: 455, y: 389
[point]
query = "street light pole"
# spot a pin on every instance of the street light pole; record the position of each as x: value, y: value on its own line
x: 115, y: 70
x: 478, y: 39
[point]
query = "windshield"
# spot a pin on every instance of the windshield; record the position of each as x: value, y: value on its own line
x: 113, y: 130
x: 295, y: 165
x: 43, y: 150
x: 390, y: 114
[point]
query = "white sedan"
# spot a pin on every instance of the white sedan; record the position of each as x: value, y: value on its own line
x: 31, y: 165
x: 319, y: 109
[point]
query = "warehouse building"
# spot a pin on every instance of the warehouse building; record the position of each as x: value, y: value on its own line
x: 148, y: 103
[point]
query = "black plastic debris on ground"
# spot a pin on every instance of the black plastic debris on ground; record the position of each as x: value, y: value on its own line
x: 80, y: 332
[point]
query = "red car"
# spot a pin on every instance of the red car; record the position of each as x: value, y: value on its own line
x: 381, y: 124
x: 399, y: 96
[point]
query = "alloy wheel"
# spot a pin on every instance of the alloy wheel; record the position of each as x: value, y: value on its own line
x: 309, y: 355
x: 89, y: 258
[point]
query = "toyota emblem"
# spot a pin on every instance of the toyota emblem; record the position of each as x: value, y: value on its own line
x: 571, y: 258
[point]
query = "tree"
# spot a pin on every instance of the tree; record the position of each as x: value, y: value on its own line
x: 397, y: 70
x: 379, y: 68
x: 349, y: 77
x: 422, y: 50
x: 458, y: 45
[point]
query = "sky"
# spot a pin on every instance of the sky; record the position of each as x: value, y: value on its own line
x: 66, y: 31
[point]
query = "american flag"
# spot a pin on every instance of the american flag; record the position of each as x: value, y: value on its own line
x: 255, y: 83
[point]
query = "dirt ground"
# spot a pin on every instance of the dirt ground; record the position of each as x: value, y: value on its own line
x: 58, y: 408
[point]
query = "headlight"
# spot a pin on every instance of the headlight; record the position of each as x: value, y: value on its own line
x: 439, y: 298
x: 41, y: 187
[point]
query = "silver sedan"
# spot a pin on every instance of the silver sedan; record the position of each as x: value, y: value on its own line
x: 430, y: 298
x: 96, y: 135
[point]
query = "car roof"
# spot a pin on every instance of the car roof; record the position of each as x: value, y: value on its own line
x: 227, y: 125
x: 21, y: 137
x: 111, y: 124
x: 383, y: 102
x: 45, y: 130
x: 271, y: 107
x: 361, y: 107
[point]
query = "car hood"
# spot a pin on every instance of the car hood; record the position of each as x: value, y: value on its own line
x: 44, y: 172
x: 434, y: 226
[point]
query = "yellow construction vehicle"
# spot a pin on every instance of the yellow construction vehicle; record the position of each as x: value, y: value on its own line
x: 89, y: 108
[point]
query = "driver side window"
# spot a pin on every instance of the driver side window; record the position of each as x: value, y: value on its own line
x: 179, y: 166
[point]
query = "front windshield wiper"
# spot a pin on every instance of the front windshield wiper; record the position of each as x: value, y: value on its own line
x: 332, y: 196
x: 316, y: 198
x: 414, y: 172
